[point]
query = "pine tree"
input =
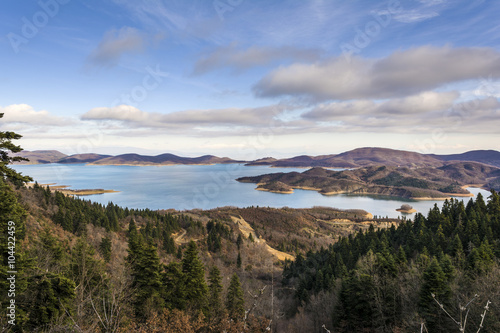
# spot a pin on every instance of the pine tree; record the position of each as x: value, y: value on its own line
x: 215, y: 293
x: 196, y: 287
x: 235, y: 303
x: 238, y: 260
x: 6, y: 149
x: 174, y: 286
x: 239, y: 241
x: 435, y: 284
x: 105, y: 248
x: 146, y: 274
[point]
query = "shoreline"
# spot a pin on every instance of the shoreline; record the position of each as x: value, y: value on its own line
x: 69, y: 192
x: 320, y: 191
x: 274, y: 191
x: 406, y: 211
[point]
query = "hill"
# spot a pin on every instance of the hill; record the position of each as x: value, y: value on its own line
x: 40, y: 156
x: 360, y: 157
x: 491, y: 157
x: 369, y: 156
x: 82, y: 158
x: 54, y: 156
x: 410, y: 183
x: 163, y: 159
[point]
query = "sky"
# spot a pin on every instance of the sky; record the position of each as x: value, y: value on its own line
x: 250, y: 79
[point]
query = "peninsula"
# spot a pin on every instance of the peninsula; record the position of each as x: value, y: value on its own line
x: 426, y: 183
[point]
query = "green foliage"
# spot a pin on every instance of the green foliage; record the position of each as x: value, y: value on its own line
x: 239, y: 241
x: 174, y: 286
x: 50, y: 296
x: 146, y: 272
x: 435, y: 285
x: 216, y: 231
x: 450, y: 248
x: 194, y: 273
x: 235, y: 302
x: 215, y: 293
x: 238, y: 260
x: 105, y: 248
x: 6, y: 149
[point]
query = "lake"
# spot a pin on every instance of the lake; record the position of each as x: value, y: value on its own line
x: 202, y: 186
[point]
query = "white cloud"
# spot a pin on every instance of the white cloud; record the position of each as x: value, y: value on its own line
x: 417, y: 104
x: 25, y: 114
x: 114, y: 44
x: 402, y: 73
x: 412, y: 16
x: 418, y: 114
x: 207, y: 120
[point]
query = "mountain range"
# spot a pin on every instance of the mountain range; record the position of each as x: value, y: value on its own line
x: 360, y: 157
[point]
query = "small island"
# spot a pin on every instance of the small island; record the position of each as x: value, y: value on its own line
x: 406, y: 209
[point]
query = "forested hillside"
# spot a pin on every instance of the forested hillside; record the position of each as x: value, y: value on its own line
x: 392, y: 280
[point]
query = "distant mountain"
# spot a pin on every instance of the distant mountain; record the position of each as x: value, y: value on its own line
x: 54, y: 156
x: 359, y: 157
x: 40, y: 156
x: 82, y: 158
x: 163, y: 159
x: 369, y: 156
x: 491, y: 157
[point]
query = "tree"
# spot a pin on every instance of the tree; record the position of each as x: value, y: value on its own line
x: 6, y: 149
x: 195, y: 285
x: 235, y: 303
x: 238, y: 261
x: 239, y: 241
x: 146, y: 274
x: 435, y: 285
x: 105, y: 248
x: 215, y: 309
x: 174, y: 286
x: 49, y: 298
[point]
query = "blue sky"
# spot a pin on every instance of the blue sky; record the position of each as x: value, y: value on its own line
x: 249, y: 79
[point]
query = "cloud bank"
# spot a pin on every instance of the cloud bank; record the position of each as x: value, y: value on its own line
x: 402, y: 73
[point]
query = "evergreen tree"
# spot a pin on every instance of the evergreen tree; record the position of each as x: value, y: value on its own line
x: 174, y: 286
x: 146, y: 275
x: 238, y: 261
x: 48, y: 298
x: 239, y: 241
x: 195, y: 285
x: 7, y: 148
x: 215, y: 293
x: 435, y: 285
x: 105, y: 248
x: 235, y: 303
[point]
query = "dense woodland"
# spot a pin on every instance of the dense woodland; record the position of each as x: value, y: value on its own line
x: 85, y: 267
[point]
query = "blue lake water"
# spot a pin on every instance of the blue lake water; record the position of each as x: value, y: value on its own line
x: 202, y: 186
